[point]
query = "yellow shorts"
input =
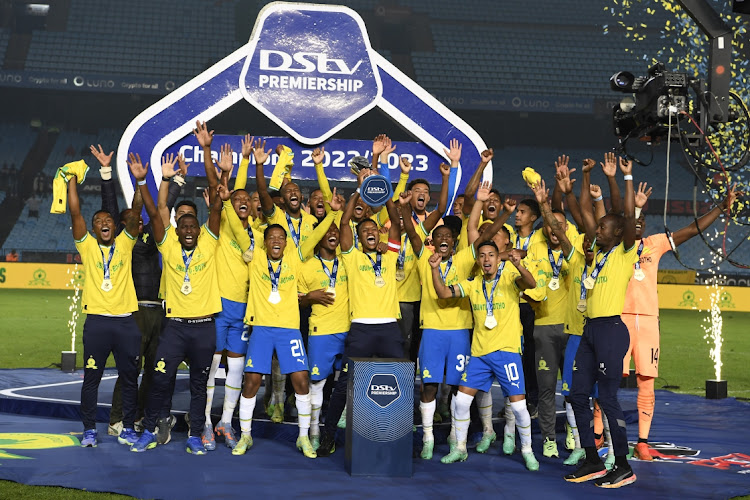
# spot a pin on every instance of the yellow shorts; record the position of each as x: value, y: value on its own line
x: 644, y: 344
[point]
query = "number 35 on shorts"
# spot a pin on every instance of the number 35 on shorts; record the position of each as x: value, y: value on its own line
x: 462, y: 362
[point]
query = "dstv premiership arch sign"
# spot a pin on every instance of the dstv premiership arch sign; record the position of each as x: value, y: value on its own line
x: 311, y: 70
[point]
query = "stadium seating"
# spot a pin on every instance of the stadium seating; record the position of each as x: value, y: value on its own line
x: 139, y: 37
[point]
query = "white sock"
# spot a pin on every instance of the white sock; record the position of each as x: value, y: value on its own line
x: 607, y: 435
x: 484, y: 405
x: 510, y: 420
x: 463, y: 406
x: 304, y: 407
x: 572, y: 423
x: 247, y: 407
x: 523, y: 424
x: 232, y: 387
x: 452, y: 435
x: 316, y: 400
x: 428, y: 414
x: 279, y: 381
x: 210, y: 386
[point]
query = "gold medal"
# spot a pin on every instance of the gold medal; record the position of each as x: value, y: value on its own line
x: 274, y: 298
x: 332, y: 291
x: 379, y: 281
x: 639, y: 275
x: 490, y: 322
x: 247, y: 256
x: 186, y: 288
x: 107, y: 285
x: 400, y: 274
x: 581, y: 305
x: 589, y: 283
x: 554, y: 284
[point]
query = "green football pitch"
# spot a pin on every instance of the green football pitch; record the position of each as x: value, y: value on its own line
x: 35, y: 330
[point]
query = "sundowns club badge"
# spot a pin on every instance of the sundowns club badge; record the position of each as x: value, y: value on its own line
x: 383, y: 389
x: 310, y: 70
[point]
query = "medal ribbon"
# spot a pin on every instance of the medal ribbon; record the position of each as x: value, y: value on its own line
x: 332, y: 273
x: 292, y: 231
x: 640, y: 250
x: 274, y: 275
x: 106, y: 262
x: 375, y: 265
x: 556, y: 265
x: 492, y: 292
x: 525, y: 241
x: 600, y: 265
x: 186, y: 259
x: 252, y: 238
x: 447, y: 268
x: 402, y: 251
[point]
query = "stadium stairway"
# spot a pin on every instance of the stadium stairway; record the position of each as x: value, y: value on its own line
x: 11, y: 207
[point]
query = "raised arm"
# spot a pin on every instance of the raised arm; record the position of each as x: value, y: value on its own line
x: 317, y: 156
x: 687, y: 232
x: 346, y: 238
x: 214, y: 210
x: 411, y: 232
x: 565, y: 185
x: 140, y: 171
x: 74, y: 206
x: 205, y: 138
x: 587, y: 212
x: 442, y: 291
x: 307, y: 247
x: 175, y: 187
x: 167, y: 174
x: 508, y: 207
x: 540, y: 192
x: 261, y: 156
x: 476, y: 177
x: 609, y: 167
x: 432, y: 220
x: 596, y: 194
x: 526, y: 281
x: 628, y: 234
x: 247, y: 149
x: 109, y: 192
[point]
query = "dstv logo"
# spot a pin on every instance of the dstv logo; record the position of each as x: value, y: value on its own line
x: 383, y: 389
x: 304, y: 62
x: 376, y: 190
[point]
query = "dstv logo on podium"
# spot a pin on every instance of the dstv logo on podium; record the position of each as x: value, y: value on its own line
x: 383, y: 389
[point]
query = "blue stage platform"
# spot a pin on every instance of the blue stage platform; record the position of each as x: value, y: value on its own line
x: 703, y: 452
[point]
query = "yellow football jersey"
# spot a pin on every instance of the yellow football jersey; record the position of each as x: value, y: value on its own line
x: 230, y: 265
x: 366, y: 299
x: 302, y: 226
x: 608, y: 296
x: 261, y: 309
x: 575, y: 319
x: 326, y: 320
x: 506, y: 336
x: 204, y: 298
x: 121, y: 299
x: 445, y: 314
x: 550, y: 311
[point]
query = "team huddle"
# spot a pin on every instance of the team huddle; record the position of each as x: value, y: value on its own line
x: 293, y: 292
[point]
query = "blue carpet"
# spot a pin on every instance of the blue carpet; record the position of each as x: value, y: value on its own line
x: 705, y: 450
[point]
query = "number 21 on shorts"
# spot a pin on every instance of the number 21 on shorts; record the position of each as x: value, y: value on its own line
x: 296, y: 347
